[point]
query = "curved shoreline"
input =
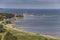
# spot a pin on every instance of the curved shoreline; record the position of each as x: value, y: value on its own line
x: 10, y: 26
x: 48, y: 36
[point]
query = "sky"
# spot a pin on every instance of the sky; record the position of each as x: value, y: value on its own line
x: 30, y: 4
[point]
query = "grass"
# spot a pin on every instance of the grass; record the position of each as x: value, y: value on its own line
x: 17, y: 35
x: 0, y: 36
x: 26, y: 36
x: 12, y: 34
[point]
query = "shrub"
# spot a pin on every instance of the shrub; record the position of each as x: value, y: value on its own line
x: 8, y: 22
x: 2, y: 29
x: 1, y: 19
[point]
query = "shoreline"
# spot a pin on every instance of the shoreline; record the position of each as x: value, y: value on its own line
x: 48, y: 36
x: 10, y: 26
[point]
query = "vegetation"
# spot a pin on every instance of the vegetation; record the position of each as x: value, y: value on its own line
x: 19, y: 16
x: 0, y: 36
x: 2, y: 29
x: 7, y: 15
x: 1, y: 19
x: 26, y: 36
x: 8, y: 22
x: 9, y: 36
x: 12, y: 34
x: 7, y: 33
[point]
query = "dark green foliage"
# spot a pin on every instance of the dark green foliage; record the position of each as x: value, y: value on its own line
x: 2, y: 29
x: 7, y: 15
x: 19, y: 16
x: 0, y: 37
x: 9, y: 36
x: 46, y: 38
x: 1, y: 19
x: 8, y: 22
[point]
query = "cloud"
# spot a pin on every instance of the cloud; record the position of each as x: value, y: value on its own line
x: 30, y: 3
x: 26, y: 1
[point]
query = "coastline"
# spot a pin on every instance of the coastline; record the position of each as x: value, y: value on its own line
x: 10, y: 26
x: 48, y: 36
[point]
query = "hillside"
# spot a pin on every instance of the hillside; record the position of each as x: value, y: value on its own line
x: 15, y: 34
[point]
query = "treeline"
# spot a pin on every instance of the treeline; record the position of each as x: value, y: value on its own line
x: 19, y: 16
x: 8, y: 15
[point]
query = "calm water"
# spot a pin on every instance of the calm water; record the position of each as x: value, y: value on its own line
x: 49, y: 25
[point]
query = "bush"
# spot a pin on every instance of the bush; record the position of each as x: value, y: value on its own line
x: 19, y: 16
x: 8, y: 22
x: 2, y: 29
x: 1, y: 19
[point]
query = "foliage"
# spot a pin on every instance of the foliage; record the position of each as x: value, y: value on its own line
x: 7, y: 15
x: 2, y: 29
x: 0, y: 37
x: 1, y: 19
x: 18, y: 35
x: 19, y: 16
x: 8, y: 22
x: 27, y: 36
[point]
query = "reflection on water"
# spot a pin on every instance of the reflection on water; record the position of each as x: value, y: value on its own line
x: 40, y: 24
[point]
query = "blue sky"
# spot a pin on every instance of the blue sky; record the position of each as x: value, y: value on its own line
x: 30, y: 4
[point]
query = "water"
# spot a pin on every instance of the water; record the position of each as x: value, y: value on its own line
x: 49, y: 25
x: 47, y: 21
